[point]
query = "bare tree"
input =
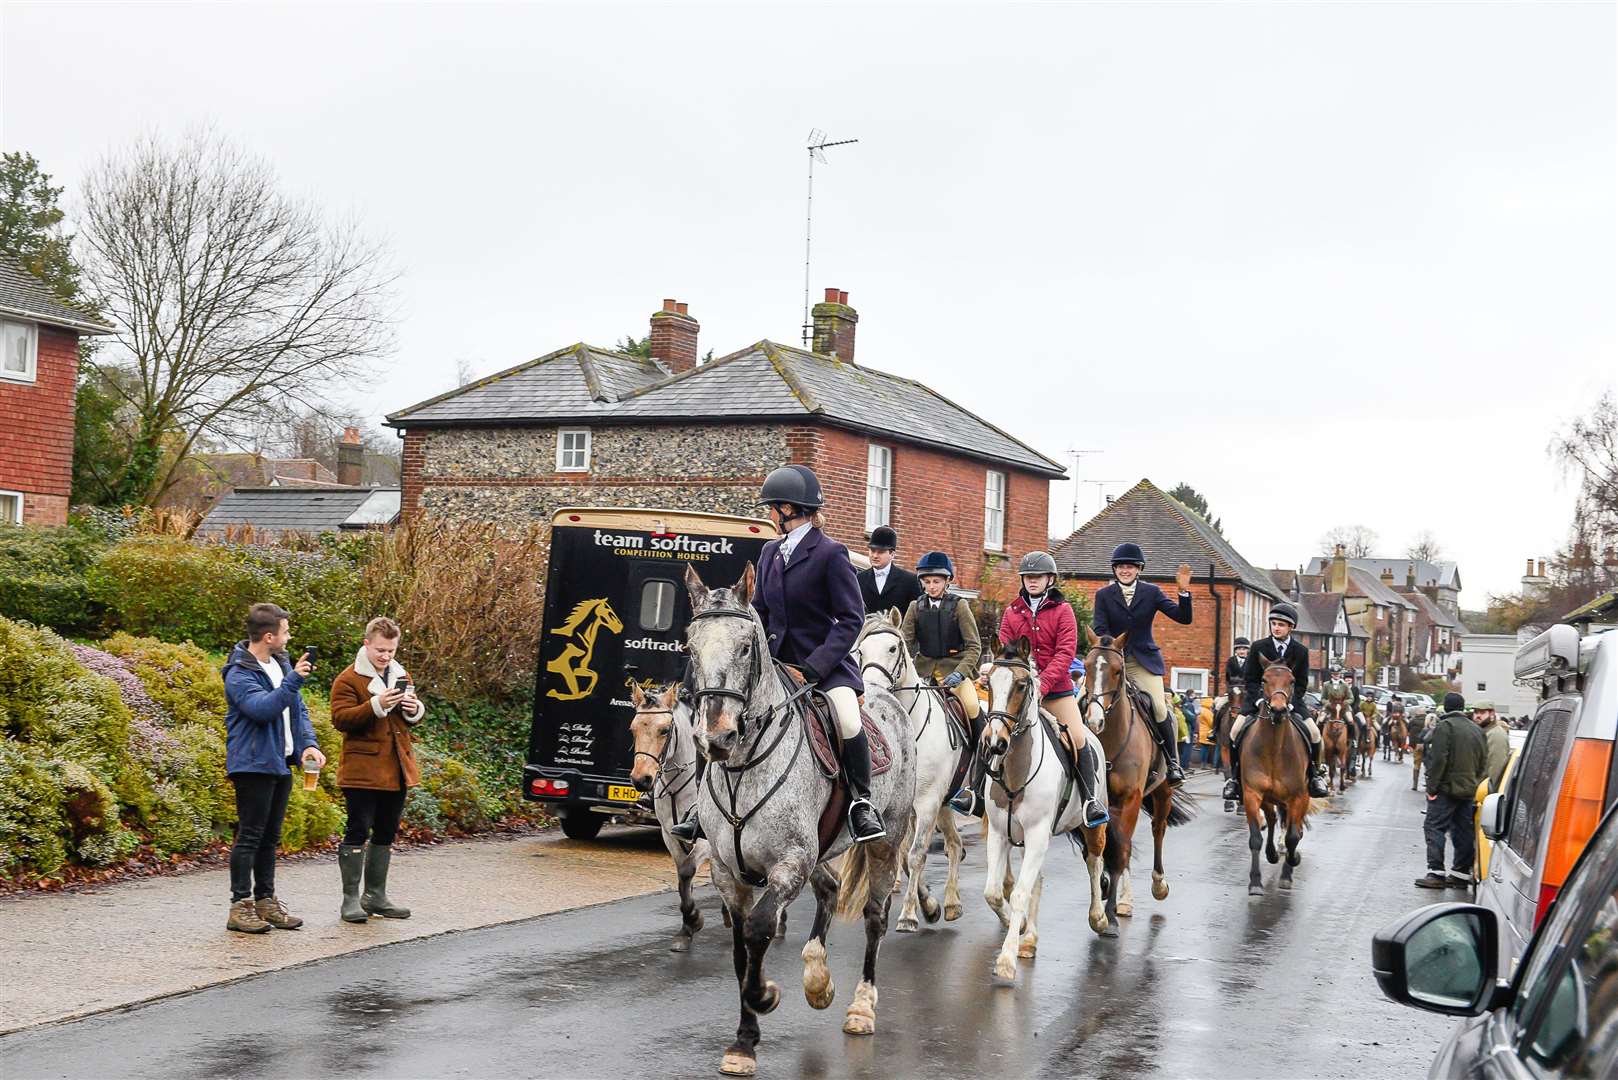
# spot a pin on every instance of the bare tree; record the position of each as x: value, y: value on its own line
x: 1588, y: 449
x: 1357, y: 540
x: 232, y: 300
x: 466, y: 372
x: 1425, y: 547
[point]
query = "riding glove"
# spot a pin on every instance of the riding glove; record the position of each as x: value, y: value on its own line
x: 811, y: 677
x: 955, y: 679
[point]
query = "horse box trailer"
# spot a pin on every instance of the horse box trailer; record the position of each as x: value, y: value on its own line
x: 615, y: 614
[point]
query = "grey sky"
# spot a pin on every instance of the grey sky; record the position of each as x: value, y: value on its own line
x: 1329, y: 264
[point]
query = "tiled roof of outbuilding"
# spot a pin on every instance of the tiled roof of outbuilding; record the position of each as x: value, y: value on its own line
x: 22, y: 294
x: 274, y: 511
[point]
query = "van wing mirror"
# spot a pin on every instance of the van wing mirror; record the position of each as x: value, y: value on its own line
x: 1442, y: 958
x: 1493, y: 819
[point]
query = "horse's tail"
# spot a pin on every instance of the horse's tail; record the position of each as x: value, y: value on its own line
x: 1181, y: 809
x: 855, y: 888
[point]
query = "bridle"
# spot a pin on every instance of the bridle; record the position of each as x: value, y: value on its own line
x: 665, y: 771
x: 1020, y: 724
x: 1101, y: 699
x: 742, y: 696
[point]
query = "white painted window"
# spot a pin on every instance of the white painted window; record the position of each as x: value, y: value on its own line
x: 878, y: 486
x: 19, y: 351
x: 573, y: 450
x: 994, y: 510
x: 11, y: 507
x: 1194, y: 680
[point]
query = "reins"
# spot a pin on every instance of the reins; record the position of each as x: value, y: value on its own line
x: 665, y: 771
x: 1020, y: 725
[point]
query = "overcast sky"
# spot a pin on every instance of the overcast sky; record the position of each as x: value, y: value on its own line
x: 1327, y: 263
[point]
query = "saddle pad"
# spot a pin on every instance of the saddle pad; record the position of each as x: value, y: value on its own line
x: 827, y: 745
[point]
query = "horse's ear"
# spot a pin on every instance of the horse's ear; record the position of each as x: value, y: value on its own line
x: 744, y: 586
x: 636, y: 696
x: 667, y: 699
x: 896, y: 617
x: 1090, y: 636
x: 1022, y: 648
x: 695, y: 587
x: 1118, y: 642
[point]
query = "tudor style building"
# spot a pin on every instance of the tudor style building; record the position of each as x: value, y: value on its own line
x: 589, y: 426
x: 39, y: 366
x: 1230, y: 597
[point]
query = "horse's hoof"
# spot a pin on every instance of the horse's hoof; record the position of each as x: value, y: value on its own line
x: 821, y: 996
x: 905, y: 926
x: 1027, y: 950
x: 738, y: 1064
x: 1272, y: 857
x: 1125, y: 909
x: 1286, y: 884
x: 1004, y: 973
x: 1255, y: 890
x: 681, y: 943
x: 859, y: 1024
x: 952, y: 912
x: 767, y: 1000
x: 861, y: 1016
x: 930, y: 910
x: 1110, y: 930
x: 1098, y: 922
x: 1160, y: 889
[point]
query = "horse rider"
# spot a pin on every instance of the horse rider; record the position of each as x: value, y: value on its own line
x: 884, y: 586
x: 942, y: 634
x: 1396, y: 708
x: 1042, y: 614
x: 1279, y: 648
x: 1341, y: 692
x: 809, y: 601
x: 1236, y: 665
x: 1127, y: 606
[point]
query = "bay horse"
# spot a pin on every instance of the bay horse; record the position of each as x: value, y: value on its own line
x: 1367, y: 746
x: 665, y: 763
x: 761, y: 802
x: 1274, y: 768
x: 1111, y: 712
x: 885, y: 660
x: 1031, y: 802
x: 1223, y: 719
x: 1336, y: 745
x: 1398, y: 736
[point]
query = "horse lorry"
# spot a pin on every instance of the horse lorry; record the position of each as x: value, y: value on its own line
x: 616, y: 610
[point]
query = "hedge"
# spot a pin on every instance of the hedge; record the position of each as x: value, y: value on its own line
x: 42, y: 576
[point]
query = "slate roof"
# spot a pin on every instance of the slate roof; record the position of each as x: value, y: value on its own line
x: 1317, y: 612
x: 1167, y: 531
x: 274, y: 511
x: 1433, y: 613
x: 765, y: 381
x: 1368, y: 585
x: 24, y: 295
x: 1445, y: 575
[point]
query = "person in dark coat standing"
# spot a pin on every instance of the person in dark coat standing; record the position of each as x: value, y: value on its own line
x: 1457, y: 762
x: 1279, y: 648
x: 887, y: 585
x: 1127, y: 606
x: 809, y: 601
x: 1236, y: 666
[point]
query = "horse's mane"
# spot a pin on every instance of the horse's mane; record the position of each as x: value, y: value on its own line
x: 1105, y: 641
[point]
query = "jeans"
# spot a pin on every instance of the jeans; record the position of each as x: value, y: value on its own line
x: 372, y: 815
x: 1447, y: 815
x: 261, y: 807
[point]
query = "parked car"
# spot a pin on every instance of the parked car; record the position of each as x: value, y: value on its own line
x: 1420, y: 702
x: 1562, y: 783
x: 1557, y: 1017
x: 1311, y: 702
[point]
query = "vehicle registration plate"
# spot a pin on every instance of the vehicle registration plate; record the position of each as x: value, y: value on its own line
x: 622, y: 793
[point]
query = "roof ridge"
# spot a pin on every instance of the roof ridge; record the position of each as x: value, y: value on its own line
x: 691, y: 372
x: 487, y: 379
x: 1181, y: 511
x: 592, y: 381
x: 772, y: 353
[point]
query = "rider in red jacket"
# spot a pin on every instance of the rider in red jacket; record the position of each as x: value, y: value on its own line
x: 1042, y: 614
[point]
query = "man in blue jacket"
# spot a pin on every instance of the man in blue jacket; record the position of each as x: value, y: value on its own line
x: 267, y: 731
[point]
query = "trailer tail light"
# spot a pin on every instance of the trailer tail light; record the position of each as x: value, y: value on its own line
x: 544, y: 786
x: 1578, y: 812
x: 559, y: 786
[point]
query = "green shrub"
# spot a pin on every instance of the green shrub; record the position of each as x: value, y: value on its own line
x: 176, y: 822
x: 312, y: 818
x: 454, y: 788
x: 320, y: 591
x: 182, y: 679
x: 32, y: 828
x: 42, y: 577
x: 174, y: 590
x: 490, y: 737
x: 421, y: 810
x: 48, y: 700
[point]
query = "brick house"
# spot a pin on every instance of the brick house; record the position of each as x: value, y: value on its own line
x: 39, y: 367
x: 1330, y: 635
x: 1230, y: 597
x: 1441, y: 581
x: 1373, y: 606
x: 586, y: 425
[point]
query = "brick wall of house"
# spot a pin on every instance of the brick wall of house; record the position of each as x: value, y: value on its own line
x: 36, y: 439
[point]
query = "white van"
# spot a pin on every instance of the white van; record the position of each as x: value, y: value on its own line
x: 1563, y: 782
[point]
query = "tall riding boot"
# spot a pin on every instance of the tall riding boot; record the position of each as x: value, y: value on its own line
x: 1318, y: 787
x: 969, y: 800
x: 1167, y: 734
x: 689, y: 828
x: 1095, y: 810
x: 1353, y: 750
x: 1233, y: 785
x: 375, y: 897
x: 351, y: 865
x: 864, y: 823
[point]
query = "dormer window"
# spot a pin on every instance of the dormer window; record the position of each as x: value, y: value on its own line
x: 19, y: 351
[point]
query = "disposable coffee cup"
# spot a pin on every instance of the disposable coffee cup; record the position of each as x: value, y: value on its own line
x: 311, y: 774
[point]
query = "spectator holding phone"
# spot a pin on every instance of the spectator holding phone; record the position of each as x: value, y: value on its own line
x: 374, y: 705
x: 267, y: 731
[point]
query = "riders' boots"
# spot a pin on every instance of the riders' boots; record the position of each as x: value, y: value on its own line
x: 1353, y: 750
x: 969, y: 800
x: 1233, y: 785
x: 351, y: 865
x: 1317, y: 772
x: 689, y: 828
x: 1095, y: 811
x: 375, y: 897
x: 864, y: 823
x: 1167, y: 740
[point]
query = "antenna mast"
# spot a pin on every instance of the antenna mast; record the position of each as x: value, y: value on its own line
x: 1078, y: 457
x: 818, y: 144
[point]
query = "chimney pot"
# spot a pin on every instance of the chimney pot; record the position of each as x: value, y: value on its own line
x: 674, y: 337
x: 842, y: 297
x: 1529, y: 570
x: 831, y: 296
x: 681, y: 307
x: 350, y: 459
x: 669, y: 305
x: 1542, y: 568
x: 351, y: 434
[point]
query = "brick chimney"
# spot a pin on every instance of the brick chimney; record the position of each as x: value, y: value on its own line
x: 674, y: 337
x: 1337, y: 572
x: 1410, y: 575
x: 1387, y: 576
x: 350, y: 458
x: 835, y: 323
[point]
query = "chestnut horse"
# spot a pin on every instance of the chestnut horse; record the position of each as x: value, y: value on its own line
x: 1228, y: 712
x: 1398, y: 736
x: 1110, y: 712
x: 1275, y: 770
x: 1367, y: 747
x: 1336, y: 745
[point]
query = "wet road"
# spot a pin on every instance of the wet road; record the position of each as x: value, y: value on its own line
x: 1207, y: 983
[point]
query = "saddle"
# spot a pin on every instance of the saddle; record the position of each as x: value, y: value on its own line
x: 960, y: 738
x: 1143, y: 705
x: 821, y: 726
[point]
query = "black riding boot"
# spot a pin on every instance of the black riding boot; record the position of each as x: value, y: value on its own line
x: 1095, y: 810
x: 1353, y: 751
x: 1318, y: 788
x: 969, y: 800
x: 1168, y: 741
x: 864, y: 823
x: 689, y: 829
x: 1233, y: 785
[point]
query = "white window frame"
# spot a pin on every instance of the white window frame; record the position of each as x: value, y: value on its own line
x: 18, y: 519
x: 563, y: 450
x: 994, y: 516
x: 1201, y: 675
x: 31, y: 374
x: 878, y: 486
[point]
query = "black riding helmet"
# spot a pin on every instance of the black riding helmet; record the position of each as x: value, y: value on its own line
x: 1129, y: 553
x: 1242, y: 643
x: 1286, y: 613
x: 883, y: 538
x: 935, y: 562
x: 795, y: 484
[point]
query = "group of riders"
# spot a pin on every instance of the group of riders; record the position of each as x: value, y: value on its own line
x: 813, y: 603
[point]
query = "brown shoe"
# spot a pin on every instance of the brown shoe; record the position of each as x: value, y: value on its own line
x: 273, y: 912
x: 244, y: 918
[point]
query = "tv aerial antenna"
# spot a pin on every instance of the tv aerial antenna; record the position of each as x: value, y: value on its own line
x: 1078, y: 457
x: 818, y: 145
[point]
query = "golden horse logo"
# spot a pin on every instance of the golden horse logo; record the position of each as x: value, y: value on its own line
x: 573, y: 665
